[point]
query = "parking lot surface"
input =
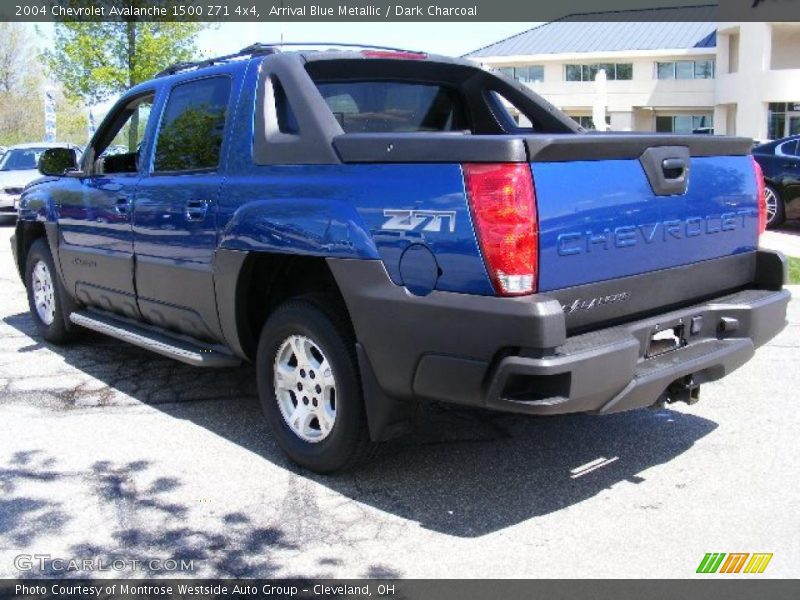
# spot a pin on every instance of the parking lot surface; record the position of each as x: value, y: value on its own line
x: 785, y: 239
x: 108, y: 452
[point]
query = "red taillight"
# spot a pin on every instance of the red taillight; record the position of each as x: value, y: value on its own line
x: 503, y: 204
x: 762, y: 197
x: 401, y: 54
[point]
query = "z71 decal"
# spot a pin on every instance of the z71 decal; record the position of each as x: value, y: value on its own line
x: 424, y: 220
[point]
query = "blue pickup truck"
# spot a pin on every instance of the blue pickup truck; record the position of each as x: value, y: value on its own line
x: 374, y: 227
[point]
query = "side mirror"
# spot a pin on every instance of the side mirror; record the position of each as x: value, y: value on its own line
x: 55, y: 162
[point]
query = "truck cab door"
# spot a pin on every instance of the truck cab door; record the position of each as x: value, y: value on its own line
x: 175, y: 214
x: 95, y: 209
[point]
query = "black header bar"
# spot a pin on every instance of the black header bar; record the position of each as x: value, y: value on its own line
x: 396, y: 10
x: 712, y: 588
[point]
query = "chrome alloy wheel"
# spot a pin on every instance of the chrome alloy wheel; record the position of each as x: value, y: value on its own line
x: 305, y: 388
x: 771, y: 199
x: 43, y: 293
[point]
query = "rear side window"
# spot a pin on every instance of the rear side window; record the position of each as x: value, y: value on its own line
x: 190, y: 136
x: 789, y: 149
x: 394, y: 106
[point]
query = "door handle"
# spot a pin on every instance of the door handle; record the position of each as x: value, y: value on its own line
x: 673, y: 168
x: 195, y: 210
x: 122, y: 205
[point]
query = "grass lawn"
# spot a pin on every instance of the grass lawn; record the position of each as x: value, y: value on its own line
x: 794, y: 270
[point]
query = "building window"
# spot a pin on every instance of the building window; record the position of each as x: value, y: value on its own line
x: 665, y: 70
x: 573, y: 73
x: 684, y: 124
x: 588, y: 122
x: 777, y: 118
x: 685, y: 69
x: 614, y: 71
x: 704, y: 69
x: 624, y: 72
x: 527, y: 74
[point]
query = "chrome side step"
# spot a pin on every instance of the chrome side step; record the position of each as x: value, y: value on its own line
x: 191, y: 353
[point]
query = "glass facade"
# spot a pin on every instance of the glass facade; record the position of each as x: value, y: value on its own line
x: 684, y: 123
x: 588, y: 122
x: 779, y: 115
x: 614, y: 71
x: 526, y: 74
x: 685, y: 69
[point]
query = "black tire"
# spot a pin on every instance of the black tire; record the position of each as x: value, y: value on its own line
x: 319, y: 320
x: 56, y: 331
x: 780, y: 210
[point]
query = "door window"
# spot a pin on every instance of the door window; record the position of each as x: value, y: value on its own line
x: 192, y: 128
x: 788, y: 149
x: 118, y: 146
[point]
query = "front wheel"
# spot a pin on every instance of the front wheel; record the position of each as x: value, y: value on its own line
x: 309, y: 386
x: 776, y: 213
x: 46, y: 296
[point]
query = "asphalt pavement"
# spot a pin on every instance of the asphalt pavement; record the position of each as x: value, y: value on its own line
x: 110, y: 453
x: 785, y: 239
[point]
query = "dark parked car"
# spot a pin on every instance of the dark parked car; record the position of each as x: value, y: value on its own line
x: 780, y: 161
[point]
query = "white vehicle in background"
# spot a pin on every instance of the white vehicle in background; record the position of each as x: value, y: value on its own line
x: 18, y: 167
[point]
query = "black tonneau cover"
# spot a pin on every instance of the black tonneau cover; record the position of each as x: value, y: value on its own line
x: 428, y: 148
x: 608, y: 146
x: 456, y: 148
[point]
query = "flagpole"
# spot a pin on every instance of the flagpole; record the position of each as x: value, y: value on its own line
x: 49, y: 116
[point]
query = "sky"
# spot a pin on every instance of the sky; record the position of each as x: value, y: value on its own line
x: 452, y: 39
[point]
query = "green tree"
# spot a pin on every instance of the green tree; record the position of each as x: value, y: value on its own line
x: 72, y: 120
x: 21, y: 99
x: 16, y: 58
x: 22, y: 85
x: 191, y: 140
x: 95, y: 60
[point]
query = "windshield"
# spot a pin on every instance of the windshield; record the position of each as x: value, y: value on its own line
x: 21, y: 159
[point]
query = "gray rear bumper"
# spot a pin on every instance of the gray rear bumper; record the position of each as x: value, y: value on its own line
x: 607, y: 371
x: 526, y: 355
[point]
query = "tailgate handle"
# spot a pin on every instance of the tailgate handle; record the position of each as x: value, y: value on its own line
x: 667, y: 169
x: 674, y: 168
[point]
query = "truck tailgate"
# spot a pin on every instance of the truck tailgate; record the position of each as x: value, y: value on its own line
x: 605, y: 218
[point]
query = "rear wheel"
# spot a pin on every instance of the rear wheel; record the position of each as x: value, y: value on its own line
x: 309, y: 386
x: 776, y: 213
x: 46, y: 296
